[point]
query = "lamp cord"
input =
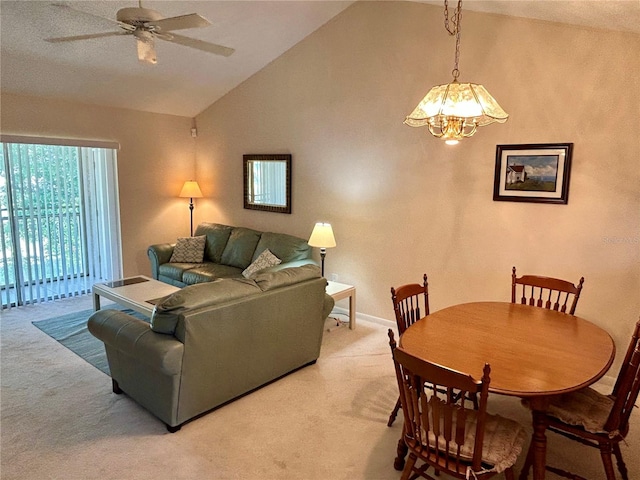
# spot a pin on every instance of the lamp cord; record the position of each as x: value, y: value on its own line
x: 455, y: 22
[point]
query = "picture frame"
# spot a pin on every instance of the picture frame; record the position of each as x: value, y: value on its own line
x: 267, y: 182
x: 536, y: 173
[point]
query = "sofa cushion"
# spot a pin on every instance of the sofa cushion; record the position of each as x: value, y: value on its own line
x: 217, y: 238
x: 265, y: 260
x: 188, y: 250
x: 287, y: 276
x: 239, y: 249
x: 208, y: 272
x: 167, y: 313
x: 174, y: 271
x: 286, y: 247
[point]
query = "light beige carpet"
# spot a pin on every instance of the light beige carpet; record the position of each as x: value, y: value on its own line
x: 326, y: 422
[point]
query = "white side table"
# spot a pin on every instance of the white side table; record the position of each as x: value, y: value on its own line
x: 341, y: 290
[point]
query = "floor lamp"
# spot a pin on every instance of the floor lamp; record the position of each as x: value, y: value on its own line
x: 190, y: 190
x: 322, y: 236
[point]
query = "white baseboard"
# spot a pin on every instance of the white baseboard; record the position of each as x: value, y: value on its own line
x: 367, y: 318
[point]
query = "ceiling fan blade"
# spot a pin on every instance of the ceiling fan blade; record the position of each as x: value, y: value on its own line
x: 193, y: 20
x: 84, y: 37
x: 73, y: 9
x: 198, y: 44
x: 122, y: 25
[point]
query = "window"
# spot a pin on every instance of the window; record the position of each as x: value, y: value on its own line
x: 59, y: 220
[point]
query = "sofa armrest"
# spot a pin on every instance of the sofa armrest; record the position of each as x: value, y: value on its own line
x: 327, y: 305
x: 134, y: 337
x: 159, y: 254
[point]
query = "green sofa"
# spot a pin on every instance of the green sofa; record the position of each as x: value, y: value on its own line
x: 212, y: 342
x: 228, y: 251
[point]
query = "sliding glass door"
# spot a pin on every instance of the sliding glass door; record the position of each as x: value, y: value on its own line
x: 59, y: 221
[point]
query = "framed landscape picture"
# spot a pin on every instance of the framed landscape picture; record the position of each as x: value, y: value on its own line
x: 536, y: 173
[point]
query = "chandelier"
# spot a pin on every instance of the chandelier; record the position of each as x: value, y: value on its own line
x: 455, y: 110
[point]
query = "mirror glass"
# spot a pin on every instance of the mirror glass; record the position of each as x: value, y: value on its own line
x: 267, y: 182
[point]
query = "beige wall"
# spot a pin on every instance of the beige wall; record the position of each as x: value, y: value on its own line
x: 403, y: 203
x: 156, y: 156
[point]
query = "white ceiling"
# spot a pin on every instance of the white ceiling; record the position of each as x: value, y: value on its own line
x: 106, y: 71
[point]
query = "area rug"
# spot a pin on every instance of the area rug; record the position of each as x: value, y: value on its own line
x: 71, y: 331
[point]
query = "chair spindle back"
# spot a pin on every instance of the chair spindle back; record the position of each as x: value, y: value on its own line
x: 432, y: 398
x: 410, y: 303
x: 627, y: 387
x: 546, y: 292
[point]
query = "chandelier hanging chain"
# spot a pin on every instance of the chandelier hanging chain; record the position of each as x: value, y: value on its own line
x: 455, y: 22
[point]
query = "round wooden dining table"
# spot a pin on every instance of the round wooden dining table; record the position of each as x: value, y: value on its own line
x: 534, y: 353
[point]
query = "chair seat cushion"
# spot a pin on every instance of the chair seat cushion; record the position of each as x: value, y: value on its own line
x: 584, y: 408
x: 503, y: 441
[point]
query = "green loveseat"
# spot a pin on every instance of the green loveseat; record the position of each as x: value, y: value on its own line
x: 228, y: 251
x: 215, y: 341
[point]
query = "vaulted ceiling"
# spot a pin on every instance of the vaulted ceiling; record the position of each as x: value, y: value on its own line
x: 105, y: 71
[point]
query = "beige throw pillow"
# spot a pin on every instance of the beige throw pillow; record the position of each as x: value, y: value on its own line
x: 265, y: 260
x: 189, y: 250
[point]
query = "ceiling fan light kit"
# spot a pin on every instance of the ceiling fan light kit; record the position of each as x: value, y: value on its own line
x: 146, y: 47
x: 146, y: 25
x: 454, y: 111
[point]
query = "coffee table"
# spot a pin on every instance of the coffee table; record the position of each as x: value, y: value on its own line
x: 138, y: 293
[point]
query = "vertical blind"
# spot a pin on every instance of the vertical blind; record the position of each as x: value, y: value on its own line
x: 59, y: 223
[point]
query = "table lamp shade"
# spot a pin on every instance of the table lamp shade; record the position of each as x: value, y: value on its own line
x: 322, y: 236
x: 190, y: 189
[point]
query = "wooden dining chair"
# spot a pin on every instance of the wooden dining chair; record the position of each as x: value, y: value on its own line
x: 441, y: 432
x: 547, y: 292
x: 597, y: 420
x: 410, y: 304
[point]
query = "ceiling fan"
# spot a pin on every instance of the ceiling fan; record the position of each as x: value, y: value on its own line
x: 146, y: 25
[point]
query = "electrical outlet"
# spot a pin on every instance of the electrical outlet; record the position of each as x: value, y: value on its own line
x: 334, y: 277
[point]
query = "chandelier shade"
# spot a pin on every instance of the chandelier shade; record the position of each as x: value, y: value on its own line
x: 455, y: 110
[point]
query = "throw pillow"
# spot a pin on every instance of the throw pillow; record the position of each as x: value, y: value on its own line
x: 189, y: 250
x: 265, y: 260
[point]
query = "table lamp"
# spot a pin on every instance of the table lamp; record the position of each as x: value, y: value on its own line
x: 322, y: 236
x: 190, y: 190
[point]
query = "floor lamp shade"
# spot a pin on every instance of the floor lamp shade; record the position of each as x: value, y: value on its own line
x: 190, y: 190
x: 322, y: 237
